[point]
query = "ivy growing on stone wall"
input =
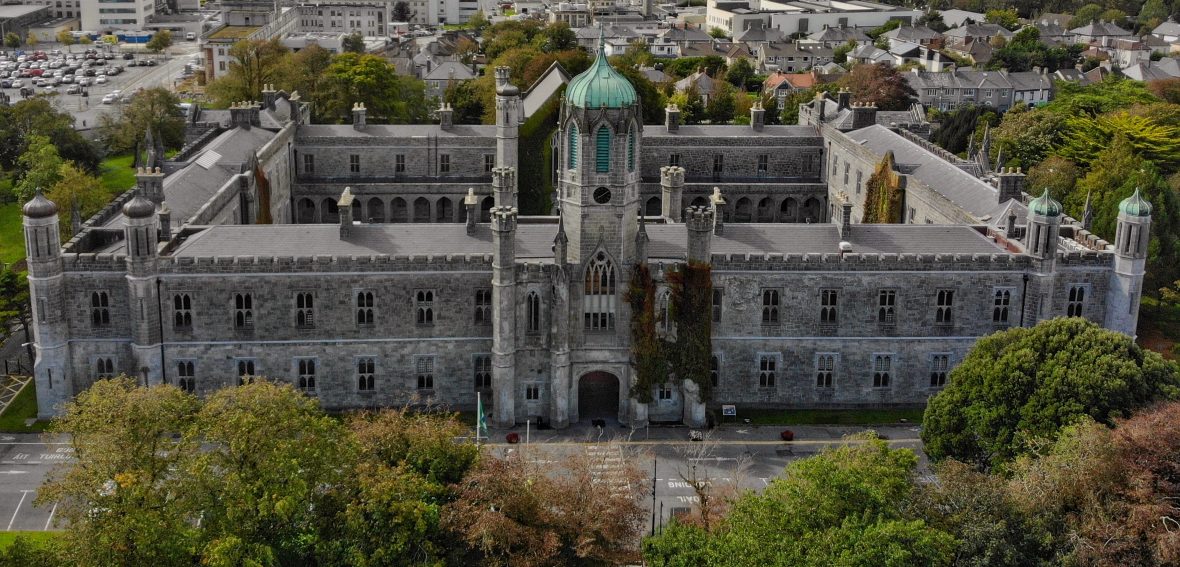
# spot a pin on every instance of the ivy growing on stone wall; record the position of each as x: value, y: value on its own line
x: 648, y: 358
x: 883, y: 194
x: 692, y: 312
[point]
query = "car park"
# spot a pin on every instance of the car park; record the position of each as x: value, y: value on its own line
x: 85, y: 81
x: 73, y: 89
x: 18, y: 84
x: 110, y: 98
x: 101, y: 80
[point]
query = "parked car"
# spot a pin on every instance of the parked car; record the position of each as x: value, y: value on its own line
x: 5, y: 83
x: 110, y: 98
x: 85, y: 81
x: 18, y: 84
x: 101, y: 80
x: 73, y: 89
x: 128, y: 56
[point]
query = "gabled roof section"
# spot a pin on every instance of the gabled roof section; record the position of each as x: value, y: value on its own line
x: 544, y: 88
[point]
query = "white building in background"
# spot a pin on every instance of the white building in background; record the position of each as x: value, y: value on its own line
x: 59, y: 8
x: 108, y: 15
x: 438, y: 12
x: 803, y: 16
x: 370, y: 18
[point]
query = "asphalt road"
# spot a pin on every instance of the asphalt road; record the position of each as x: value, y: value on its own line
x: 25, y: 461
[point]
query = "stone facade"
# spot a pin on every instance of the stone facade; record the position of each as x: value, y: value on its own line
x: 531, y: 312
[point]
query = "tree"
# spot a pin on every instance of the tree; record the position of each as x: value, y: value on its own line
x: 1004, y: 17
x: 650, y: 97
x: 478, y: 21
x: 263, y: 497
x: 933, y: 20
x: 1152, y: 14
x: 883, y: 193
x: 1027, y: 136
x: 14, y: 305
x: 401, y: 11
x: 65, y: 37
x: 558, y: 37
x: 85, y: 40
x: 717, y: 33
x: 154, y: 109
x: 78, y: 195
x: 1085, y: 15
x: 373, y: 81
x: 1057, y: 174
x: 464, y: 100
x: 957, y: 127
x: 1114, y: 16
x: 160, y: 41
x: 844, y: 506
x: 721, y: 104
x: 36, y: 116
x: 119, y: 505
x: 254, y: 63
x: 511, y: 512
x: 303, y: 71
x: 739, y: 73
x: 1167, y: 90
x: 1023, y: 383
x: 879, y: 84
x: 40, y: 168
x: 11, y: 40
x: 692, y: 110
x: 31, y: 40
x: 840, y: 54
x: 354, y: 43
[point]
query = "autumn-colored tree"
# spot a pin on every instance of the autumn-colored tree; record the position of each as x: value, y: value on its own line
x: 883, y: 193
x: 880, y: 84
x: 156, y: 109
x: 78, y: 195
x: 1058, y: 175
x: 120, y: 502
x: 1167, y: 90
x: 512, y: 512
x: 254, y: 63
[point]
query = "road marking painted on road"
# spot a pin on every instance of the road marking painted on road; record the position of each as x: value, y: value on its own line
x: 33, y: 443
x: 52, y: 511
x: 716, y: 442
x: 23, y: 494
x: 14, y: 472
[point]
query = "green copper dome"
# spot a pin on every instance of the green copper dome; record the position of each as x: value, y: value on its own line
x: 1045, y: 206
x: 600, y: 86
x: 1135, y: 205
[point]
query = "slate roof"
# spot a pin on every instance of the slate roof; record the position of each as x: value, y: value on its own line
x: 1169, y: 27
x: 188, y: 189
x: 394, y: 131
x: 759, y: 34
x: 839, y: 34
x: 1101, y: 29
x: 733, y: 131
x: 912, y: 33
x: 978, y: 30
x: 961, y: 188
x: 534, y: 241
x: 449, y: 70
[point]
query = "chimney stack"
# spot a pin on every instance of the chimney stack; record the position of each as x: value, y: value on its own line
x: 843, y: 98
x: 358, y: 116
x: 757, y: 116
x: 718, y: 204
x: 699, y: 221
x: 445, y: 116
x: 1010, y: 183
x: 471, y: 204
x: 671, y: 191
x: 269, y: 94
x: 150, y: 183
x: 846, y: 219
x: 672, y: 117
x: 244, y: 114
x: 864, y: 114
x: 165, y: 216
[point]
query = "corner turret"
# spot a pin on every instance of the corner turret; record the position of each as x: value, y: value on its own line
x: 1130, y: 264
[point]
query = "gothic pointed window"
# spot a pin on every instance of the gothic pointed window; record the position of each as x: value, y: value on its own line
x: 602, y: 150
x: 534, y: 312
x: 599, y: 300
x: 572, y: 152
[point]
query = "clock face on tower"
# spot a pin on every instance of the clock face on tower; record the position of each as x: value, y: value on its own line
x: 602, y: 195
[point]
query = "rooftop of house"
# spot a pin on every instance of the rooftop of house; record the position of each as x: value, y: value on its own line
x: 232, y: 33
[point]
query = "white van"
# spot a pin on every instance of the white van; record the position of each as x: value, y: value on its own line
x: 190, y: 36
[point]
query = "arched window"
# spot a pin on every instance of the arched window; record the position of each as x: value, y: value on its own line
x: 602, y: 150
x: 534, y: 312
x: 187, y: 376
x: 663, y: 313
x: 631, y: 150
x: 599, y: 301
x: 572, y: 153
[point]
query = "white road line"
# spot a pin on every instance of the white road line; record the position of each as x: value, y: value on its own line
x: 33, y: 443
x: 52, y: 511
x: 23, y: 494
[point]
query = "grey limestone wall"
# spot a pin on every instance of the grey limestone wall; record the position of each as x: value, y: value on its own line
x: 392, y: 202
x: 793, y: 158
x: 422, y: 156
x: 275, y: 160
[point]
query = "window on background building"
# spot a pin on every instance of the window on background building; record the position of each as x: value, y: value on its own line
x: 763, y: 164
x: 354, y: 163
x: 104, y: 368
x: 243, y: 311
x: 424, y: 307
x: 532, y: 392
x: 715, y: 370
x: 599, y: 294
x: 718, y: 166
x: 304, y: 310
x: 674, y: 159
x: 663, y: 312
x: 182, y: 311
x: 886, y: 307
x: 827, y: 306
x: 308, y: 163
x: 825, y: 366
x: 572, y: 147
x: 770, y: 307
x: 425, y: 371
x: 399, y: 163
x: 100, y: 309
x: 186, y: 376
x: 631, y: 150
x: 1001, y: 302
x: 882, y: 367
x: 364, y: 308
x: 483, y: 307
x: 664, y: 392
x: 602, y: 150
x: 767, y: 367
x: 366, y: 374
x: 1077, y: 301
x: 938, y: 370
x: 718, y: 298
x: 944, y: 307
x: 444, y: 163
x: 483, y: 371
x: 533, y: 312
x: 305, y: 381
x: 489, y: 162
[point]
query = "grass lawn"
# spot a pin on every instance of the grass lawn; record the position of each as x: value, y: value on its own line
x: 38, y: 539
x: 830, y: 417
x: 116, y: 174
x: 24, y: 407
x: 12, y: 239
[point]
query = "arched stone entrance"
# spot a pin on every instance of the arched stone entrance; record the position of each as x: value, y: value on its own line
x: 598, y: 397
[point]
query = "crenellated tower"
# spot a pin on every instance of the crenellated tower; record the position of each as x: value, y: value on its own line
x: 141, y: 237
x: 1040, y: 242
x: 509, y: 115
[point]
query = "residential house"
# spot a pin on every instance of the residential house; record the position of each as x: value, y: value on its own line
x: 956, y: 18
x: 573, y: 14
x: 673, y: 42
x: 1166, y: 68
x: 780, y: 85
x: 1083, y: 78
x: 920, y: 35
x: 1053, y: 33
x: 792, y: 57
x: 1128, y: 51
x: 835, y: 37
x: 871, y: 54
x: 947, y: 91
x: 442, y: 75
x: 1032, y: 88
x: 965, y: 35
x: 1168, y: 31
x: 705, y: 85
x: 1100, y: 33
